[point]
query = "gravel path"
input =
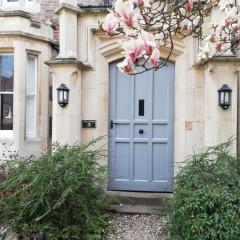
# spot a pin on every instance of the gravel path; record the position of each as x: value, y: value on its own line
x: 136, y: 227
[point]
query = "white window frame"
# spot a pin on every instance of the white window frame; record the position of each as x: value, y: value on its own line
x: 29, y: 2
x: 31, y: 6
x: 6, y: 3
x: 32, y: 94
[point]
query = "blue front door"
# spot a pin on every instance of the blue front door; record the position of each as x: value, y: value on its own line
x: 141, y: 130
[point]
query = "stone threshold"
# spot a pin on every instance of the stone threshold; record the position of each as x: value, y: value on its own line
x: 142, y: 202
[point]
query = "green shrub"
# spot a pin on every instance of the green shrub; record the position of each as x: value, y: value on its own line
x: 206, y: 204
x: 57, y: 195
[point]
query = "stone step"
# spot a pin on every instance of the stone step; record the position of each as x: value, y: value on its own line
x: 141, y: 209
x: 142, y: 202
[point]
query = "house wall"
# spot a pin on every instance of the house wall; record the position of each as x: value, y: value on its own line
x: 29, y: 27
x: 42, y: 11
x: 19, y: 35
x: 198, y: 120
x: 83, y: 65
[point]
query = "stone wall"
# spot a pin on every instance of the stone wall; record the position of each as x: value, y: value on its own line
x: 94, y: 2
x: 28, y: 38
x: 47, y: 10
x: 47, y: 15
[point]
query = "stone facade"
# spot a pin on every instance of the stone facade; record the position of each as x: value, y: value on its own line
x: 83, y: 65
x: 48, y: 8
x: 199, y: 121
x: 47, y: 14
x: 22, y: 37
x: 91, y: 2
x: 42, y: 11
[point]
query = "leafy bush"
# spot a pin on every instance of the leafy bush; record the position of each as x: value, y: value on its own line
x: 206, y: 204
x: 56, y: 195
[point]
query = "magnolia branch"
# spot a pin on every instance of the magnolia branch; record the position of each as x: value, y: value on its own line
x: 147, y: 26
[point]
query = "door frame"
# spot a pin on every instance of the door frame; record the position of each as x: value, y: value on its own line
x: 173, y: 127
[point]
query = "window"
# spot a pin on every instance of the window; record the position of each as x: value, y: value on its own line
x: 29, y: 1
x: 31, y: 96
x: 31, y: 6
x: 107, y: 2
x: 6, y: 91
x: 10, y: 2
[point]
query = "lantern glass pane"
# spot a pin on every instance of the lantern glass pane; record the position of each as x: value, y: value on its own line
x: 226, y: 98
x: 222, y: 98
x: 60, y: 96
x: 65, y: 96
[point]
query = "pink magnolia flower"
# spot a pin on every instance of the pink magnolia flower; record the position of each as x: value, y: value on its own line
x: 155, y: 57
x: 125, y: 10
x: 225, y: 3
x: 159, y: 38
x: 235, y: 26
x: 127, y: 65
x: 145, y: 3
x: 210, y: 37
x: 110, y: 23
x: 205, y: 52
x: 133, y: 48
x: 218, y: 47
x: 183, y: 11
x: 232, y: 12
x: 188, y: 5
x: 149, y: 42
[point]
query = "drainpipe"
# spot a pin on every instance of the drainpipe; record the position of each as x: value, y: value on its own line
x: 238, y: 119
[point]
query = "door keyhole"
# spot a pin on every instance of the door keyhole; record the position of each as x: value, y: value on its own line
x: 141, y: 131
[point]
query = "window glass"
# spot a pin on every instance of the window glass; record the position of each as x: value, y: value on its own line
x: 31, y: 81
x: 6, y: 111
x: 6, y: 91
x: 6, y: 73
x: 31, y: 101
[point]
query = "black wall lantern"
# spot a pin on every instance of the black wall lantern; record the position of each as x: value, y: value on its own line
x: 225, y: 96
x: 63, y: 95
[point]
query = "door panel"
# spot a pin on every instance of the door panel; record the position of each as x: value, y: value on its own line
x: 122, y: 160
x: 140, y: 161
x: 141, y: 133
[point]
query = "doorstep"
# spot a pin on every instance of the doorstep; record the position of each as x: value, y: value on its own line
x: 142, y: 202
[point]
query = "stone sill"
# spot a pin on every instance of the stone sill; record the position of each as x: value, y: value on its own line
x: 94, y: 9
x: 83, y: 8
x: 218, y: 59
x: 33, y: 140
x: 26, y: 35
x: 67, y: 61
x: 6, y: 140
x: 16, y: 13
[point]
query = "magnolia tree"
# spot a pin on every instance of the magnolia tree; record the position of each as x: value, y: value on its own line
x: 147, y: 26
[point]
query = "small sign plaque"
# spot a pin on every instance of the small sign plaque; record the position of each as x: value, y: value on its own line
x: 88, y: 123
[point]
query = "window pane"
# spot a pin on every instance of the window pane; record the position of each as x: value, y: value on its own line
x: 6, y: 73
x: 30, y: 116
x: 31, y: 83
x: 31, y: 78
x: 6, y: 111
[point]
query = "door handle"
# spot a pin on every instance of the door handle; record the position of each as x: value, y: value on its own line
x: 112, y: 123
x: 141, y: 131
